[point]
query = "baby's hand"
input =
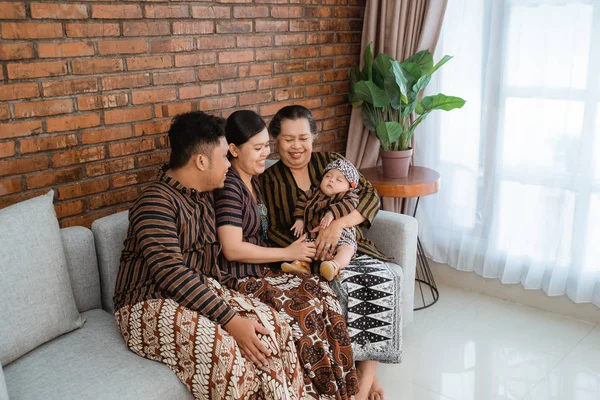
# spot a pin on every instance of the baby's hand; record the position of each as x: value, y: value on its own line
x: 327, y: 219
x: 298, y: 228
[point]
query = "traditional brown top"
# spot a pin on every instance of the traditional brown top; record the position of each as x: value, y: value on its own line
x: 420, y: 181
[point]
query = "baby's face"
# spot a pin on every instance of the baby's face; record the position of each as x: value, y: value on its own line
x: 334, y: 182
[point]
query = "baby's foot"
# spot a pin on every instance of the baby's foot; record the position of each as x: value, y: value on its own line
x: 329, y: 269
x: 296, y: 267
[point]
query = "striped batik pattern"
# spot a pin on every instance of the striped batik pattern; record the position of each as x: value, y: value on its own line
x: 171, y: 246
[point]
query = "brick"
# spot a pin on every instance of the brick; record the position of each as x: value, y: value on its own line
x: 43, y: 108
x: 217, y: 73
x: 193, y: 28
x: 347, y: 61
x: 271, y: 1
x: 254, y: 41
x: 348, y: 12
x: 154, y: 158
x: 238, y: 86
x: 69, y: 87
x: 31, y: 30
x: 70, y: 123
x: 233, y: 57
x: 37, y: 70
x: 218, y: 42
x: 122, y: 47
x: 271, y: 26
x: 122, y: 11
x: 78, y: 156
x: 109, y: 166
x: 193, y: 92
x: 334, y: 25
x: 251, y: 12
x: 190, y: 60
x: 272, y: 83
x: 160, y: 11
x: 68, y: 49
x: 6, y: 201
x: 306, y: 79
x: 152, y: 128
x: 16, y: 51
x: 255, y: 70
x: 50, y: 178
x: 320, y: 64
x: 97, y: 66
x: 304, y: 26
x: 211, y: 12
x: 162, y: 142
x: 23, y: 165
x: 149, y: 62
x: 318, y: 12
x: 322, y: 113
x: 309, y: 103
x: 106, y: 134
x: 85, y: 220
x: 173, y: 78
x: 255, y: 98
x: 327, y: 51
x: 171, y: 45
x: 4, y: 112
x: 131, y: 147
x: 218, y: 104
x: 8, y: 131
x: 290, y: 40
x: 10, y: 10
x: 86, y: 103
x: 92, y: 30
x: 271, y: 109
x: 342, y: 110
x: 287, y: 94
x: 69, y: 209
x: 146, y: 28
x: 125, y: 81
x: 335, y: 123
x: 84, y: 188
x: 7, y: 149
x: 287, y: 12
x: 10, y: 186
x: 58, y: 11
x: 127, y: 115
x: 234, y: 1
x: 47, y: 143
x: 320, y: 38
x: 287, y: 67
x: 170, y: 110
x: 112, y: 198
x: 19, y: 91
x: 134, y: 178
x: 340, y: 75
x: 349, y: 37
x: 304, y: 52
x: 234, y: 26
x: 154, y: 96
x: 320, y: 90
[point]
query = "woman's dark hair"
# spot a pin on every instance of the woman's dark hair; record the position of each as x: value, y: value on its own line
x: 192, y: 133
x: 242, y: 126
x: 292, y: 113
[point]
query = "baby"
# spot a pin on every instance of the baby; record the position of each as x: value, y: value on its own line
x: 335, y: 198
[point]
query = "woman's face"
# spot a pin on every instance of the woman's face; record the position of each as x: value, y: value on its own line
x: 295, y: 142
x: 250, y: 157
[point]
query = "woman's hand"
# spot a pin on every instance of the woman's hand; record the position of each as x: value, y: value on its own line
x: 244, y: 332
x: 301, y: 250
x: 328, y: 239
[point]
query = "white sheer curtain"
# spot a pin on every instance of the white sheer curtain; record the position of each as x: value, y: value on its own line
x: 520, y: 163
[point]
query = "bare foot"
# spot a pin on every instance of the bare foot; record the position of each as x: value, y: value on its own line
x: 366, y: 373
x: 376, y: 392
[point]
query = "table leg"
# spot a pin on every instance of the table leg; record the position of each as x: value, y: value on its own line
x: 423, y: 272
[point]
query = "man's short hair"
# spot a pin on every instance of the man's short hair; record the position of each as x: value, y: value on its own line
x: 194, y: 133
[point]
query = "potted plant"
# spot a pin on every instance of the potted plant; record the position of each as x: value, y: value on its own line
x: 390, y: 94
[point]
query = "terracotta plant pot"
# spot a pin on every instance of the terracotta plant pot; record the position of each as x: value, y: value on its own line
x: 396, y: 163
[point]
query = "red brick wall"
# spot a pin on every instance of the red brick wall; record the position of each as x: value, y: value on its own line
x: 87, y: 89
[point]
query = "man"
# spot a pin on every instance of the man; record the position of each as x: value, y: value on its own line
x: 170, y: 304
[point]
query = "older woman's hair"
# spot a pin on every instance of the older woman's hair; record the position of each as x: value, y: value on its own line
x: 292, y: 113
x: 242, y: 126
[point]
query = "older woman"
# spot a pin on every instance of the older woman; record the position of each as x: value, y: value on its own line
x: 308, y: 304
x: 369, y: 289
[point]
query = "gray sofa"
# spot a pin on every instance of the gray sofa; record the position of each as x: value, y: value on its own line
x: 92, y: 362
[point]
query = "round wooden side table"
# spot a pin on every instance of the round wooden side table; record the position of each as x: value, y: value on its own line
x: 420, y: 181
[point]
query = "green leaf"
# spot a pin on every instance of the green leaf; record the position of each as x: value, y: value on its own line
x: 367, y: 73
x: 421, y: 83
x: 380, y: 67
x: 412, y: 72
x: 388, y: 133
x: 354, y: 75
x: 370, y: 119
x: 443, y: 61
x: 371, y: 93
x: 401, y: 80
x: 439, y: 102
x: 423, y: 59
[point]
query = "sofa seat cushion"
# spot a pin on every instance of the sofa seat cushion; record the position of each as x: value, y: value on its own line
x: 91, y: 363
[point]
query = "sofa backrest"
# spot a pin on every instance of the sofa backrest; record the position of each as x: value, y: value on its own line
x: 109, y: 234
x: 80, y: 251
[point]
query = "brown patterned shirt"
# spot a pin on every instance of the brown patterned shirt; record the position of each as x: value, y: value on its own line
x: 171, y: 248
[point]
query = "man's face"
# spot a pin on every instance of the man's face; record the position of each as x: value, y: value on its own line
x: 219, y: 164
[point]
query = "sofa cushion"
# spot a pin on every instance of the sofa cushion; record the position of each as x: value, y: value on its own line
x: 109, y: 234
x: 3, y: 391
x: 35, y: 291
x: 91, y: 363
x: 80, y: 251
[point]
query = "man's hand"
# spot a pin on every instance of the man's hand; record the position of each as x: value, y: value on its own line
x: 298, y: 228
x: 244, y: 332
x: 327, y: 219
x: 327, y: 240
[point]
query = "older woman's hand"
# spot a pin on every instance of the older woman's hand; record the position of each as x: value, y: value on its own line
x: 327, y: 240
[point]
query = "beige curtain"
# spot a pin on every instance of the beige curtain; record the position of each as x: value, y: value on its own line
x: 398, y: 28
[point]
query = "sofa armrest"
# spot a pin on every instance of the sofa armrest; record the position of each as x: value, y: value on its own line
x: 3, y: 388
x: 396, y: 236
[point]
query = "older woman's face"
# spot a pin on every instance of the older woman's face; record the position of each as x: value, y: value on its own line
x: 295, y: 142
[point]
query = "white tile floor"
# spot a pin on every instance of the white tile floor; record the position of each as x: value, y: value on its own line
x: 469, y: 346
